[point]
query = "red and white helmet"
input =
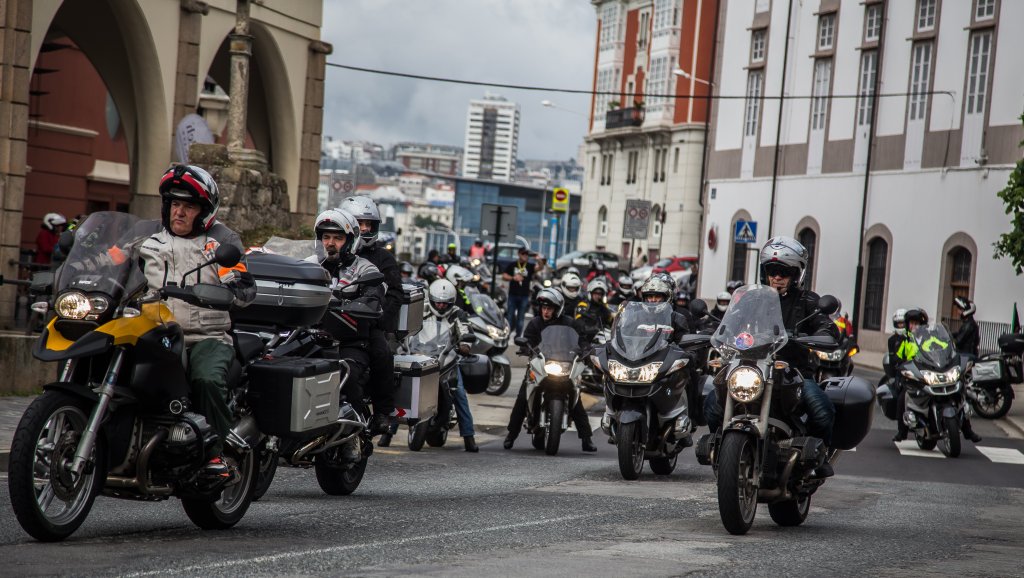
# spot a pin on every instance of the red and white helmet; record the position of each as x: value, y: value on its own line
x: 194, y: 185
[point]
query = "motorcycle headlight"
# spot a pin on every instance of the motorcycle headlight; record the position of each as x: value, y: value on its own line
x: 557, y: 368
x: 642, y: 374
x: 73, y: 305
x: 745, y: 384
x: 941, y: 377
x: 493, y: 332
x: 836, y: 355
x: 547, y: 282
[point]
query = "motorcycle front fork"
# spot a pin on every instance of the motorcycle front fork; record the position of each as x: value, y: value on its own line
x: 88, y: 441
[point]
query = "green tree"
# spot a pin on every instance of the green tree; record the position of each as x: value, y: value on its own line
x: 1011, y: 244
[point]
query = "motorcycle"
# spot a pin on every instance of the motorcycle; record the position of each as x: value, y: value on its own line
x: 118, y: 420
x: 762, y: 453
x: 933, y: 381
x: 435, y: 340
x: 591, y: 380
x: 482, y: 274
x: 989, y: 382
x: 552, y: 384
x: 835, y: 362
x: 492, y: 331
x: 645, y: 390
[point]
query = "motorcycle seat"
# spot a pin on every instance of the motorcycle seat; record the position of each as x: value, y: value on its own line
x: 247, y: 346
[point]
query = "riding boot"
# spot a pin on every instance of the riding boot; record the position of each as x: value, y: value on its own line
x: 471, y: 446
x: 588, y: 444
x: 901, y: 433
x: 510, y: 440
x: 968, y: 432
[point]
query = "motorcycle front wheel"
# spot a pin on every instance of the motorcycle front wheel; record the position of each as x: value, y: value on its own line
x: 924, y: 443
x: 664, y: 466
x: 993, y: 404
x: 791, y: 512
x: 501, y: 378
x: 949, y: 444
x: 228, y: 509
x: 49, y: 502
x: 556, y: 407
x: 737, y: 483
x: 630, y: 445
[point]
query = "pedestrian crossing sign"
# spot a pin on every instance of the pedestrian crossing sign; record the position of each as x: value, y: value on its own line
x: 745, y: 232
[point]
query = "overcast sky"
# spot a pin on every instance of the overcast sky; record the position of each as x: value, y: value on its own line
x: 526, y: 42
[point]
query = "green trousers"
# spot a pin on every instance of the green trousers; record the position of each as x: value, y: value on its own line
x: 208, y: 365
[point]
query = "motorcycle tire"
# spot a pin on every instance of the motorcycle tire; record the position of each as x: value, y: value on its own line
x: 538, y: 439
x: 339, y: 481
x: 925, y: 444
x: 1002, y: 399
x: 737, y: 483
x: 556, y: 407
x: 949, y: 444
x: 630, y: 445
x: 791, y: 512
x: 663, y: 466
x: 501, y: 378
x: 436, y: 437
x: 417, y: 435
x: 266, y: 467
x: 233, y: 501
x: 32, y: 432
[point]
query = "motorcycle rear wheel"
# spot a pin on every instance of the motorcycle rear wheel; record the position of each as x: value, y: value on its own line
x: 436, y: 437
x: 48, y: 433
x: 998, y: 406
x: 501, y: 378
x: 664, y: 466
x: 265, y: 470
x: 537, y: 439
x: 949, y: 444
x: 339, y: 481
x: 924, y: 443
x: 417, y: 435
x: 737, y: 483
x: 556, y: 407
x: 630, y: 445
x: 791, y: 512
x: 230, y: 506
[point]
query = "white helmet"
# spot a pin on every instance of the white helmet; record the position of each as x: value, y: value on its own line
x: 899, y: 321
x: 338, y: 221
x: 364, y: 209
x: 458, y: 275
x: 597, y: 284
x: 553, y: 298
x: 786, y: 252
x: 51, y: 220
x: 722, y: 301
x: 570, y: 285
x: 625, y: 283
x: 441, y: 298
x: 657, y: 285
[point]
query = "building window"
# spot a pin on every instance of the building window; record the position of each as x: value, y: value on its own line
x: 925, y: 15
x: 809, y: 239
x: 675, y: 161
x: 739, y: 262
x: 631, y: 164
x: 605, y: 86
x: 602, y: 221
x: 822, y: 82
x: 656, y: 83
x: 593, y: 165
x: 985, y: 9
x: 872, y: 22
x: 752, y: 114
x: 663, y: 20
x: 977, y: 81
x: 868, y: 74
x: 959, y: 265
x: 919, y: 79
x: 657, y: 159
x: 826, y: 31
x: 874, y: 291
x: 664, y: 159
x: 656, y: 221
x: 645, y: 19
x: 609, y: 25
x: 757, y: 46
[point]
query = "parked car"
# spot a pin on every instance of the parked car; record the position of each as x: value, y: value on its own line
x: 506, y: 254
x: 674, y: 264
x: 581, y: 260
x: 641, y: 274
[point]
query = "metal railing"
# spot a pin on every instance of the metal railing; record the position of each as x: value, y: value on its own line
x: 990, y: 332
x: 622, y: 117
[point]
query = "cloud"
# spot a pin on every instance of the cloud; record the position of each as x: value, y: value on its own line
x: 528, y: 42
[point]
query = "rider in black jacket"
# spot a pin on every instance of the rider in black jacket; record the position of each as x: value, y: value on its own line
x: 783, y: 261
x: 968, y: 337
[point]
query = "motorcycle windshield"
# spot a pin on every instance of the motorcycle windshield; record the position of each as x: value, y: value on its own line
x: 642, y: 329
x: 485, y: 307
x: 104, y: 258
x: 752, y: 327
x: 559, y: 343
x: 935, y: 347
x: 296, y: 249
x: 433, y: 339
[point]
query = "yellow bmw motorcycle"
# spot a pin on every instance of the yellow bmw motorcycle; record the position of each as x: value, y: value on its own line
x: 118, y: 418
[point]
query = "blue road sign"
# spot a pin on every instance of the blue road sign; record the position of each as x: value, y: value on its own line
x: 745, y: 232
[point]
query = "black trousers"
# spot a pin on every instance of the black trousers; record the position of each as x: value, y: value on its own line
x: 577, y: 413
x: 382, y: 373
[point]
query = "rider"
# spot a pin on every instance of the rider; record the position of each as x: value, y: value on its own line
x: 657, y: 290
x: 441, y: 299
x: 452, y: 256
x: 570, y: 286
x: 551, y: 306
x: 49, y: 234
x: 519, y: 275
x: 460, y: 277
x: 382, y: 359
x: 477, y: 251
x: 968, y: 337
x: 624, y: 292
x: 592, y: 315
x: 782, y: 264
x: 187, y: 236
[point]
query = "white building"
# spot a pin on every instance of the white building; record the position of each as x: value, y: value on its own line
x: 492, y: 139
x: 943, y: 144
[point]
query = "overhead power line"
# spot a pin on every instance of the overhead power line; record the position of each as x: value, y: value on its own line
x: 608, y: 93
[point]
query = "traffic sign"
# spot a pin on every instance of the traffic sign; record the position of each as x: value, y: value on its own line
x: 745, y: 232
x: 637, y: 221
x: 346, y: 186
x: 560, y: 200
x: 489, y: 222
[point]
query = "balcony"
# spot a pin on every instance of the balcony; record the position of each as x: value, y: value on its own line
x: 624, y: 117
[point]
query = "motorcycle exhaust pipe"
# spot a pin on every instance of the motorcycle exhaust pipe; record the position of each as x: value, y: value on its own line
x: 782, y: 491
x: 245, y: 435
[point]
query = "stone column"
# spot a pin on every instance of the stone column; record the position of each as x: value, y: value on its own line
x: 241, y: 51
x: 312, y: 128
x: 186, y: 80
x: 15, y: 56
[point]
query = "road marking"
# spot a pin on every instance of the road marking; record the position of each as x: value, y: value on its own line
x: 909, y: 448
x: 1002, y: 455
x: 376, y: 544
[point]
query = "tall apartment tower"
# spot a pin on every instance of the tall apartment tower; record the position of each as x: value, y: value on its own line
x: 492, y: 139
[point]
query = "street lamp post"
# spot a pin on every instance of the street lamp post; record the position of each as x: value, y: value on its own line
x: 688, y: 76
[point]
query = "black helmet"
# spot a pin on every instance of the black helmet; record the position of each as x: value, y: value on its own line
x: 916, y: 315
x: 684, y: 296
x: 966, y: 306
x: 194, y: 185
x: 429, y: 272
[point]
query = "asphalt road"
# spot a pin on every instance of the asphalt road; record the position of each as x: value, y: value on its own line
x: 447, y: 512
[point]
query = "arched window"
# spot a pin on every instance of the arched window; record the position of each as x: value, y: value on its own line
x: 656, y: 220
x: 874, y: 292
x: 602, y: 221
x: 809, y: 239
x: 959, y: 267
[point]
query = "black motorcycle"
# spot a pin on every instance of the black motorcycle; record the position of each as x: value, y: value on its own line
x: 990, y: 379
x: 492, y: 331
x: 837, y: 362
x: 763, y: 453
x: 645, y: 390
x: 552, y: 385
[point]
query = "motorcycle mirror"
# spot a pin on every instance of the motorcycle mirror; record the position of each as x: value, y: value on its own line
x: 42, y: 282
x: 698, y: 308
x: 521, y: 341
x: 227, y: 255
x: 470, y: 338
x: 828, y: 304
